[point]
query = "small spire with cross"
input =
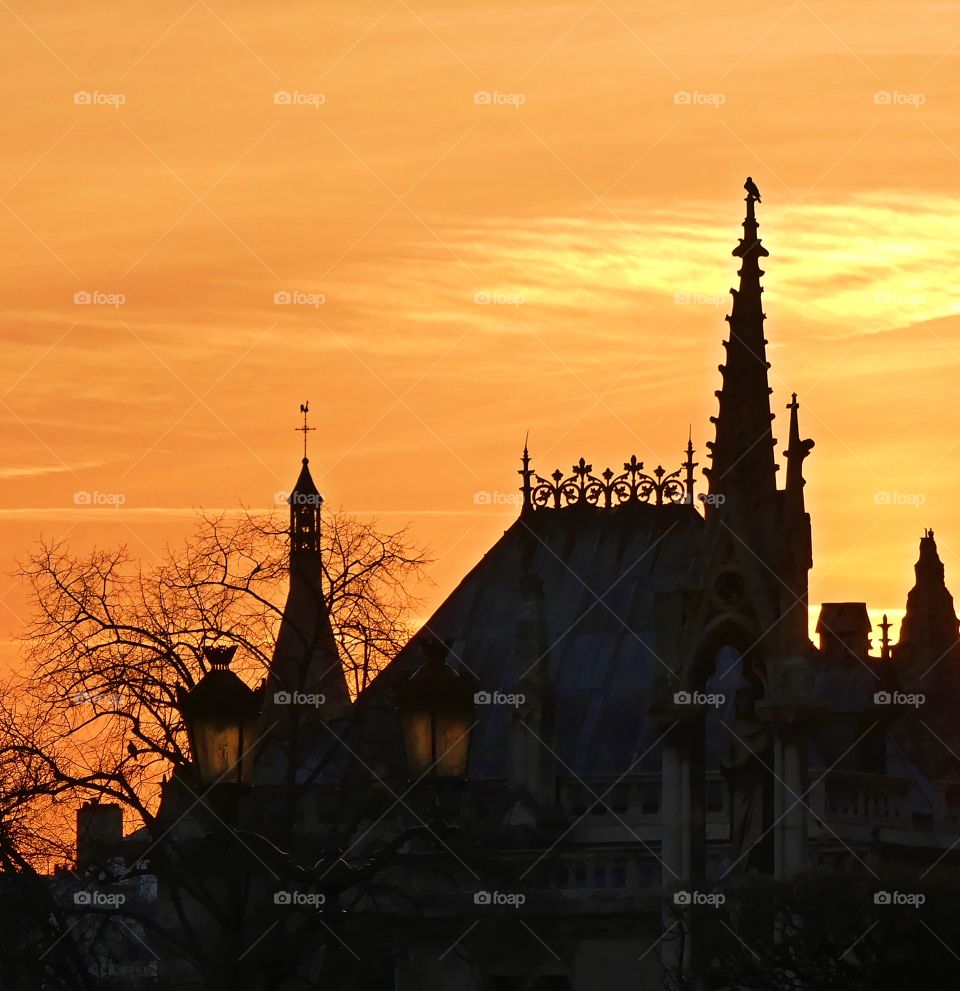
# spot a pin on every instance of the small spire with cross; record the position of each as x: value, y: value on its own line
x: 885, y: 638
x: 689, y: 465
x: 305, y: 409
x: 526, y: 473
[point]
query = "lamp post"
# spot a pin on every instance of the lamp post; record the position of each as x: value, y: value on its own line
x: 221, y: 715
x: 435, y: 706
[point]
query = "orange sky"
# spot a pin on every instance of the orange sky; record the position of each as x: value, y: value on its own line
x: 594, y: 190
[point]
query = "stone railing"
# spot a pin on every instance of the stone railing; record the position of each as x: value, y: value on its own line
x: 856, y: 799
x: 634, y: 799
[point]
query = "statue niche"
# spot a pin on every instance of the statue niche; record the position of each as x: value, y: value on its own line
x: 745, y: 763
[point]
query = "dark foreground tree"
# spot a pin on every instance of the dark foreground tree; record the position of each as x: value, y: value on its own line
x: 94, y: 715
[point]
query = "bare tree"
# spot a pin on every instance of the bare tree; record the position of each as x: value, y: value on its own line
x: 94, y: 713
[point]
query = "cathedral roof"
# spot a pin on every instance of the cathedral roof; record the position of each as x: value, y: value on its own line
x: 600, y: 570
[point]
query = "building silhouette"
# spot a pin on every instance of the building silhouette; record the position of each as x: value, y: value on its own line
x: 651, y: 719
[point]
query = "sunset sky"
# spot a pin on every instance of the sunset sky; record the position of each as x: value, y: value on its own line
x: 387, y: 165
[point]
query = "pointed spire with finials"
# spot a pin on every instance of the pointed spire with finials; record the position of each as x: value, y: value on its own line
x: 742, y: 455
x: 796, y: 453
x: 929, y: 625
x: 526, y: 473
x: 885, y: 639
x: 305, y: 681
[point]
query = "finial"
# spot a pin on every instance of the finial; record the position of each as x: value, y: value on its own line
x: 305, y: 409
x: 689, y: 465
x: 526, y: 473
x: 885, y: 639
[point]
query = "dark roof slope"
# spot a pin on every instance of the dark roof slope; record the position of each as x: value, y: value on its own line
x: 600, y: 570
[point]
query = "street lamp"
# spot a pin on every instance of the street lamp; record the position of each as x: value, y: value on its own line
x: 221, y: 714
x: 435, y: 706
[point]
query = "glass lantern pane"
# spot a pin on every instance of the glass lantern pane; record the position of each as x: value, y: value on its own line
x: 218, y: 751
x: 416, y: 738
x: 452, y: 729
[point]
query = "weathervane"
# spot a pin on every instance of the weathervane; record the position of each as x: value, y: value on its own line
x: 305, y: 409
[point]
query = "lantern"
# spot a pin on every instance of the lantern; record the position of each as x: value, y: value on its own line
x: 435, y: 706
x: 221, y: 714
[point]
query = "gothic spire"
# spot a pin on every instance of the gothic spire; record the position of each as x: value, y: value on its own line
x: 930, y: 621
x: 305, y: 681
x: 742, y: 455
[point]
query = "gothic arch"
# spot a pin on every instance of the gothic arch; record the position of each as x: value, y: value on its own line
x: 733, y: 630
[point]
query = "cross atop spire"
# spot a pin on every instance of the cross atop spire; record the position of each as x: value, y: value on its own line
x: 305, y: 409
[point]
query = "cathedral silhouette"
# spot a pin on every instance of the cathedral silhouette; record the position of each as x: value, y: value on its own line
x: 615, y: 716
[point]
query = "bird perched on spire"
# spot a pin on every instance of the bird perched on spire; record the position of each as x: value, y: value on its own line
x: 751, y: 187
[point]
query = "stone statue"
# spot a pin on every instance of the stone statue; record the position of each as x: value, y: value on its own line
x: 745, y: 762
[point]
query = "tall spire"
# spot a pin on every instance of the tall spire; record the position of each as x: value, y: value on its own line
x: 305, y: 681
x: 742, y: 456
